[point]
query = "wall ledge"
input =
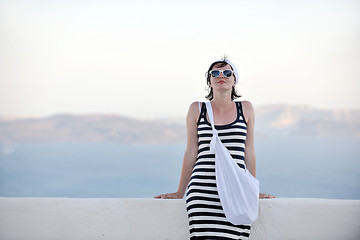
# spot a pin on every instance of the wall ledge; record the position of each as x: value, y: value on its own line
x: 146, y: 218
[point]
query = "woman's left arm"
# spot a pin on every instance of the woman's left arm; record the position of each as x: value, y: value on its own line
x: 250, y: 159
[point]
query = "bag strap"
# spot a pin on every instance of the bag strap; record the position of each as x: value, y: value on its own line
x: 214, y: 131
x: 210, y: 114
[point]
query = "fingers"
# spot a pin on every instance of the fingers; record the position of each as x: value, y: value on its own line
x: 264, y: 195
x: 174, y: 195
x: 163, y: 196
x: 168, y: 196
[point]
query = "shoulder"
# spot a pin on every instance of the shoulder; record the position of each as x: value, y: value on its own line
x: 193, y: 112
x: 247, y: 106
x: 194, y: 107
x: 248, y: 110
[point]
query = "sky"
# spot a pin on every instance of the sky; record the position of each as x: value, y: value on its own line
x: 147, y: 59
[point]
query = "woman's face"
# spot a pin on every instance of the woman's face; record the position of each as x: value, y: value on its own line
x: 221, y: 82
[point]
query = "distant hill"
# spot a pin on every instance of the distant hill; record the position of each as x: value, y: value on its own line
x: 66, y: 127
x: 276, y: 120
x: 296, y: 120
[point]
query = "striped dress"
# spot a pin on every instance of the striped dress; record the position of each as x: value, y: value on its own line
x: 206, y: 216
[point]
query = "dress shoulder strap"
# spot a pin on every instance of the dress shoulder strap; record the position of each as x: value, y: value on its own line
x: 202, y: 110
x: 241, y: 112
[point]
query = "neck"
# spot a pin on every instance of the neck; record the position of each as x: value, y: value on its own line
x: 222, y: 100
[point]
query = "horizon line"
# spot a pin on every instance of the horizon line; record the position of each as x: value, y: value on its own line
x: 92, y: 113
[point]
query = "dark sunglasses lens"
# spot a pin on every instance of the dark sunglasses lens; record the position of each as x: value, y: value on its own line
x: 215, y: 73
x: 227, y: 73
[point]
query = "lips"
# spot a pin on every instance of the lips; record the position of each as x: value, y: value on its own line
x: 221, y: 81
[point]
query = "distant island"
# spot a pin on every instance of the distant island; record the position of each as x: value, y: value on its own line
x: 272, y: 120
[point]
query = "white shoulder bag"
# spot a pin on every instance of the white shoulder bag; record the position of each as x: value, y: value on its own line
x: 238, y: 189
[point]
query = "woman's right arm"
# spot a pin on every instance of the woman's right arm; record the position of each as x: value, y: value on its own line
x: 190, y: 153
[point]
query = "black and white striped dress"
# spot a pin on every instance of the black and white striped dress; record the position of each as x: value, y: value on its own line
x: 206, y: 216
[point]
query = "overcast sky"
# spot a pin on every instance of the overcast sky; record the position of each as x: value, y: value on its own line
x: 147, y: 59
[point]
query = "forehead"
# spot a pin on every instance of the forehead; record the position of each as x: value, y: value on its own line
x: 217, y: 66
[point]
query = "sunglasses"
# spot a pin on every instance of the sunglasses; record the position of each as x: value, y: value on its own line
x: 226, y: 73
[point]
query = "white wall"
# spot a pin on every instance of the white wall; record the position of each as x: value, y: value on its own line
x: 71, y: 218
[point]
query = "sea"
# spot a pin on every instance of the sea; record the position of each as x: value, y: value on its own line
x: 290, y: 167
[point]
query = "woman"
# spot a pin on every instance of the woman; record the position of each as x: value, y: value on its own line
x: 235, y: 124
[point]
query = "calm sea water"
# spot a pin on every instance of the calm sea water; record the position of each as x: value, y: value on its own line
x: 286, y: 167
